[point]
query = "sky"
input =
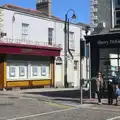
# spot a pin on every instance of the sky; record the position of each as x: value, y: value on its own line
x: 59, y: 7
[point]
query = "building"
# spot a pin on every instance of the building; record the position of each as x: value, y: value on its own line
x: 105, y: 42
x: 31, y: 48
x: 98, y: 15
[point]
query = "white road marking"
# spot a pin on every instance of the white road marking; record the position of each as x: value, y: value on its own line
x: 41, y: 114
x: 114, y: 118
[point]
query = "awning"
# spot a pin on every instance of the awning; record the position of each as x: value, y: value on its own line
x: 104, y: 40
x: 24, y: 49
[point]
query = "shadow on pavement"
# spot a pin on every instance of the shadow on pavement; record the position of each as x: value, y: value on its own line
x: 66, y: 94
x: 78, y: 101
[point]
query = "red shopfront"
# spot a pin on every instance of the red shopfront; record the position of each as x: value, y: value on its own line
x: 15, y: 56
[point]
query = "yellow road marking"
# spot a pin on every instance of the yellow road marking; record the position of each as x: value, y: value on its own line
x: 59, y: 105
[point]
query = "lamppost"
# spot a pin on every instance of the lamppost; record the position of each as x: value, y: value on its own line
x: 66, y: 44
x: 83, y: 54
x: 87, y: 28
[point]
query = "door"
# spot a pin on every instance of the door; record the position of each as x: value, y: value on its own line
x: 58, y: 75
x: 76, y: 74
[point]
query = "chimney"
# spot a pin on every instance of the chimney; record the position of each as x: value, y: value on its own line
x: 45, y: 6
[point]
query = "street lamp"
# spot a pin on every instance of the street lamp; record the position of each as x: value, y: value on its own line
x: 66, y: 44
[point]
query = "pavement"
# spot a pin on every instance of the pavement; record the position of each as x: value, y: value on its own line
x: 27, y: 105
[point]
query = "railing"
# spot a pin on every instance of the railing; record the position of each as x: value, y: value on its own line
x: 28, y: 42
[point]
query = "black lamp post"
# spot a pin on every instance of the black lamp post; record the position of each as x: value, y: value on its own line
x: 66, y: 44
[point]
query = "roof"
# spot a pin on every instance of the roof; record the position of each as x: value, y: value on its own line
x: 83, y: 24
x: 29, y: 11
x: 36, y: 13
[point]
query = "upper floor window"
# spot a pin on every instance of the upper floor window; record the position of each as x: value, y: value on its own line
x: 50, y: 36
x: 25, y: 31
x: 71, y: 41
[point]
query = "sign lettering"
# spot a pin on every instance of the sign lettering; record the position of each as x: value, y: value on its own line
x: 26, y: 50
x: 110, y: 42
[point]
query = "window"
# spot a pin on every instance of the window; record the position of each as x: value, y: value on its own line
x: 75, y: 65
x: 35, y: 70
x: 71, y: 41
x: 118, y: 2
x: 21, y: 70
x: 108, y: 53
x: 25, y: 31
x: 50, y: 36
x: 17, y: 70
x: 95, y: 21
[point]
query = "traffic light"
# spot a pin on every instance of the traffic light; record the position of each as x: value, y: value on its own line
x: 2, y: 34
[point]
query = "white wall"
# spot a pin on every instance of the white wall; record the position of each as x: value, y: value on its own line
x: 38, y: 31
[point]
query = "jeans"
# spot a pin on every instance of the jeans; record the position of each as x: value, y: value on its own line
x: 110, y: 99
x: 99, y: 96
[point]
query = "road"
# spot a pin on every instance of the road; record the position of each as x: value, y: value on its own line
x: 33, y: 109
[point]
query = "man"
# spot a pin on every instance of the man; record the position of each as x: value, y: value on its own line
x: 99, y: 87
x: 110, y: 92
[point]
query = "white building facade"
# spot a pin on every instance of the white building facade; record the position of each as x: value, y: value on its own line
x: 32, y: 27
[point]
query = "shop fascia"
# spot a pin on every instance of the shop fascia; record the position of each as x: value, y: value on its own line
x: 109, y: 42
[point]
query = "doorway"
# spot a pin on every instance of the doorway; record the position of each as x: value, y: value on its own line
x: 58, y: 72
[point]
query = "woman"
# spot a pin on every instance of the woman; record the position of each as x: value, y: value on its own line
x: 99, y: 87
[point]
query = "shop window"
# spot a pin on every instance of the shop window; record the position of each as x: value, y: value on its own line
x: 109, y: 68
x: 45, y: 71
x: 34, y: 70
x: 16, y: 71
x: 23, y: 71
x: 20, y: 70
x: 12, y: 71
x: 109, y: 53
x: 40, y: 70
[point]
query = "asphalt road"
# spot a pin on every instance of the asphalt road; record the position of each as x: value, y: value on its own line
x: 31, y: 109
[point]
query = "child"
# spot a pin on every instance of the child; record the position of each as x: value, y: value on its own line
x: 118, y: 94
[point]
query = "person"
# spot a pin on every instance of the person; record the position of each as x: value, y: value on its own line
x: 118, y: 94
x: 99, y: 86
x: 110, y: 92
